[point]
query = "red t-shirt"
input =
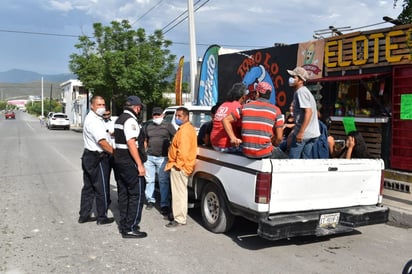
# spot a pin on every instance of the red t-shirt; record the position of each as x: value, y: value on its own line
x: 218, y: 136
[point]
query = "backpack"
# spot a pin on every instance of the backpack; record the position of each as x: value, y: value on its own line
x: 320, y: 148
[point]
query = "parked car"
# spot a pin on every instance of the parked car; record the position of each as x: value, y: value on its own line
x: 58, y: 120
x: 10, y: 115
x: 197, y: 115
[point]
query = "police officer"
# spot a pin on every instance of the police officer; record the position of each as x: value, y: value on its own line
x: 129, y: 169
x: 95, y: 165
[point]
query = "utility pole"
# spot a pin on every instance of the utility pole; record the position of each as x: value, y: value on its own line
x: 193, y: 54
x: 42, y: 99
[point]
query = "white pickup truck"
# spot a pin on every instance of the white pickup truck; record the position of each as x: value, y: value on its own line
x: 285, y: 197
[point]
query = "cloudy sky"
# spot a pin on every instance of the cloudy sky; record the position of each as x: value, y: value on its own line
x: 39, y: 35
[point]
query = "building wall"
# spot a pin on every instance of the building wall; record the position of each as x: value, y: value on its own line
x: 75, y: 101
x: 401, y: 153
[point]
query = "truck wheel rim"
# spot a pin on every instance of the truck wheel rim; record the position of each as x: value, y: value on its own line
x: 211, y: 207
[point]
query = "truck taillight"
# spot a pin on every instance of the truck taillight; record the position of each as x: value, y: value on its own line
x: 263, y: 186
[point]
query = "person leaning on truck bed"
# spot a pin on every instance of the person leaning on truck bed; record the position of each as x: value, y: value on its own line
x: 181, y: 162
x: 257, y: 119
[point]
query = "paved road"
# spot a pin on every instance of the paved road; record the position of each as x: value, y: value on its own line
x: 40, y: 182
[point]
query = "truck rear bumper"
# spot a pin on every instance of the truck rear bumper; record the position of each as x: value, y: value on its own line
x: 308, y: 223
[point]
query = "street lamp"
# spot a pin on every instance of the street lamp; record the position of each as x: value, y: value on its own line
x: 335, y: 30
x: 391, y: 20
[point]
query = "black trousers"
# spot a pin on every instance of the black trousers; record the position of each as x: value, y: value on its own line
x: 96, y: 184
x: 130, y: 188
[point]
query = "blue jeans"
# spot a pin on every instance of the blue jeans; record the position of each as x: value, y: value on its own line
x: 302, y: 150
x: 153, y: 165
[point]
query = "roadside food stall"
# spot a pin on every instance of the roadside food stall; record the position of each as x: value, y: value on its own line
x: 367, y: 86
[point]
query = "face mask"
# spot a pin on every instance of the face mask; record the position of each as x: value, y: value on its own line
x: 100, y: 111
x: 291, y: 81
x: 158, y: 120
x: 178, y: 122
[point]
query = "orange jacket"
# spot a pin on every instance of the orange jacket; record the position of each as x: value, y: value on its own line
x: 183, y: 149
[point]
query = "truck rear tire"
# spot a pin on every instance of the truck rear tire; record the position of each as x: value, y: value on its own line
x: 215, y: 214
x: 407, y: 269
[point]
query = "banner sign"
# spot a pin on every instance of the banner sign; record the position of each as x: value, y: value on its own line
x: 208, y: 80
x: 254, y: 66
x: 369, y: 49
x: 310, y: 57
x: 178, y: 81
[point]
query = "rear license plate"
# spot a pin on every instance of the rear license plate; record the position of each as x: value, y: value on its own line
x: 329, y: 220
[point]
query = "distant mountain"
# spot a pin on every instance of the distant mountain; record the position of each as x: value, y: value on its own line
x: 19, y: 76
x: 24, y: 76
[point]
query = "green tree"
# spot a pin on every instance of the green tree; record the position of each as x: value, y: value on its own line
x: 48, y: 106
x: 406, y: 15
x: 119, y: 61
x: 3, y: 105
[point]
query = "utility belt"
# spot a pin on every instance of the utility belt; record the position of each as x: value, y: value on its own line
x: 122, y: 151
x: 98, y: 156
x: 121, y: 146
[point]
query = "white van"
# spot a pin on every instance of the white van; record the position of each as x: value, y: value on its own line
x: 197, y: 115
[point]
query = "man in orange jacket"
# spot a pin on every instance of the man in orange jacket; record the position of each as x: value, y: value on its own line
x: 181, y: 163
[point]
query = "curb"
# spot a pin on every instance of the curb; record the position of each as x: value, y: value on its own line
x: 400, y: 214
x: 398, y: 197
x: 76, y: 129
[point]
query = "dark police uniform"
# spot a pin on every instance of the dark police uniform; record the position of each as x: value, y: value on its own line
x: 95, y: 165
x: 130, y: 185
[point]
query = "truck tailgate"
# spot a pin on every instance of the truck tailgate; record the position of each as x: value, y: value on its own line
x: 315, y: 184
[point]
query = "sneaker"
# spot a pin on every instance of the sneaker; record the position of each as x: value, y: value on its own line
x: 149, y: 206
x: 173, y: 223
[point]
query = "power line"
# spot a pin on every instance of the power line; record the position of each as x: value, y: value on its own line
x: 223, y: 45
x: 180, y: 15
x: 39, y: 33
x: 183, y: 19
x: 76, y: 36
x: 147, y: 12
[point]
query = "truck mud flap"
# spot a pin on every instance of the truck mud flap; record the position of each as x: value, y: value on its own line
x: 341, y: 220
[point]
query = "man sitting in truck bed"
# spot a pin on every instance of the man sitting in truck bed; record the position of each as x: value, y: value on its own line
x: 218, y: 137
x: 257, y: 119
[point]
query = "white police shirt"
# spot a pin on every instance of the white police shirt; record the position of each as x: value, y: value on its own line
x: 131, y: 128
x: 94, y: 130
x: 109, y: 124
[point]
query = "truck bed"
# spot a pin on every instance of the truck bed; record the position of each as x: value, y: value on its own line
x: 301, y: 185
x: 288, y: 197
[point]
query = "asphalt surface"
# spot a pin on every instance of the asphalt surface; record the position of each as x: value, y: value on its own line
x: 41, y: 182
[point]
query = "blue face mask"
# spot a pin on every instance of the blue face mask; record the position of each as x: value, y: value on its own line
x: 178, y: 121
